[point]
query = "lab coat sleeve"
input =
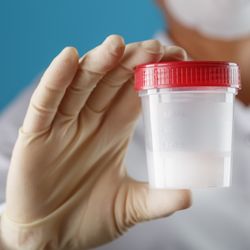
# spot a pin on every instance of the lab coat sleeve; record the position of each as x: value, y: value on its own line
x: 10, y: 120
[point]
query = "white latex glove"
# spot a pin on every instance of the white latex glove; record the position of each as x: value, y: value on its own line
x: 67, y: 186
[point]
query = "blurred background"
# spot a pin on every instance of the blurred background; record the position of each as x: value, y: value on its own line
x: 33, y: 32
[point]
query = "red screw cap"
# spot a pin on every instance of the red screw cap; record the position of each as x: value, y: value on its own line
x: 187, y: 74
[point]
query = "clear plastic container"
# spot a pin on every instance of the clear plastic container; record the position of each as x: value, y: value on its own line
x: 188, y: 117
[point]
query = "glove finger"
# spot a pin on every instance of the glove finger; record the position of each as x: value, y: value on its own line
x: 50, y: 91
x: 174, y: 53
x: 113, y: 81
x: 93, y: 66
x: 124, y: 110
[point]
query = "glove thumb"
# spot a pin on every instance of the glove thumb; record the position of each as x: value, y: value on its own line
x: 141, y: 203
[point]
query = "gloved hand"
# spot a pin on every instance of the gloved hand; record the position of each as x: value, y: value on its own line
x: 67, y: 185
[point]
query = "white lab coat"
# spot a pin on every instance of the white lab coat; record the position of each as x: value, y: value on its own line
x: 219, y: 218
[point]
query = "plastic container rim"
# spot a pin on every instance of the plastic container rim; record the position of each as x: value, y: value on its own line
x: 196, y: 90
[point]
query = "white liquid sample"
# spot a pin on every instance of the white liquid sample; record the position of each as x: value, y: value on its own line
x: 188, y: 170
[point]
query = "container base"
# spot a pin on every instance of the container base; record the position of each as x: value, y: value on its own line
x: 180, y: 170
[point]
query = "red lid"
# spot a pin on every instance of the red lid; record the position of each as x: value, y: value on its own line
x: 187, y: 74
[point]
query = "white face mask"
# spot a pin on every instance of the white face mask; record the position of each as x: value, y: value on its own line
x: 225, y: 19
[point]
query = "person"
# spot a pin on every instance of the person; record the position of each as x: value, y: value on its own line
x: 219, y: 219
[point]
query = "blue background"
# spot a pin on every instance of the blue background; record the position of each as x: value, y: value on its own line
x: 33, y: 32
